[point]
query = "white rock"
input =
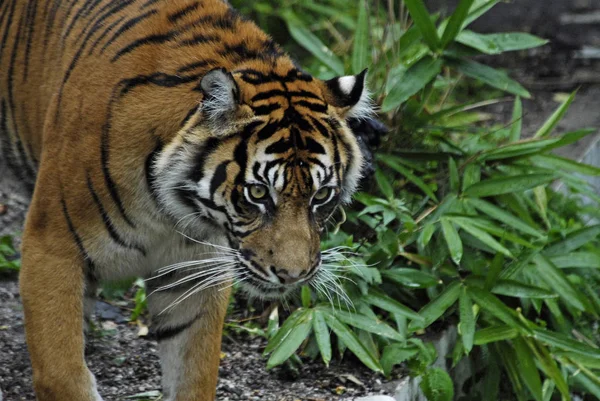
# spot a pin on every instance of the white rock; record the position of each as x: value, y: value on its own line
x: 376, y: 398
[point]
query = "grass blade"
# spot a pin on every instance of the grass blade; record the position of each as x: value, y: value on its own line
x: 553, y: 120
x: 422, y: 20
x: 360, y: 47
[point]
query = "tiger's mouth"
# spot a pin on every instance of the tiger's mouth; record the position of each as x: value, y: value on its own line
x: 256, y: 285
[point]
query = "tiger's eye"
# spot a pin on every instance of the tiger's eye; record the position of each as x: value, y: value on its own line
x: 322, y: 194
x: 258, y: 192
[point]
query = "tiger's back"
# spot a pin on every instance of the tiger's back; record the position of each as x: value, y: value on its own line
x: 140, y: 120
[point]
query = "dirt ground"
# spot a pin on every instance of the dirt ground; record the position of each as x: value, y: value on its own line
x: 126, y: 365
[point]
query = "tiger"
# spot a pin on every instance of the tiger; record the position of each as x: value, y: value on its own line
x: 172, y: 140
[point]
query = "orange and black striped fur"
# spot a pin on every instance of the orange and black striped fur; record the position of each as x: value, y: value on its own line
x: 168, y: 139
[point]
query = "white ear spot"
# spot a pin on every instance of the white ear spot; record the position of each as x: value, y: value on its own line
x: 347, y: 84
x: 350, y: 94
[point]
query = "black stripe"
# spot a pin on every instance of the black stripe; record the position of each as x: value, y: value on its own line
x: 197, y: 64
x: 77, y: 56
x: 147, y: 40
x: 183, y: 12
x: 167, y: 333
x: 189, y: 115
x: 265, y: 109
x: 317, y: 108
x: 313, y: 146
x: 110, y: 184
x: 148, y: 4
x: 199, y: 38
x: 30, y: 22
x: 84, y: 253
x: 240, y: 52
x: 320, y: 127
x: 126, y: 27
x: 218, y: 178
x: 202, y: 156
x: 108, y: 224
x: 85, y: 10
x: 106, y: 32
x: 279, y: 92
x: 157, y: 78
x: 283, y: 145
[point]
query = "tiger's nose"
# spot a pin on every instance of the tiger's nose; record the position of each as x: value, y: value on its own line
x: 287, y: 277
x: 290, y: 277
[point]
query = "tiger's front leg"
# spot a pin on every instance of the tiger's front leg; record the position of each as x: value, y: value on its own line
x: 52, y: 286
x: 189, y: 338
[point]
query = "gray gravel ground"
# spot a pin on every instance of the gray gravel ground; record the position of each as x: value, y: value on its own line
x: 125, y: 364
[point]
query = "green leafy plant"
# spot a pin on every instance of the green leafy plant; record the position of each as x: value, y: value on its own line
x: 8, y: 260
x: 462, y: 225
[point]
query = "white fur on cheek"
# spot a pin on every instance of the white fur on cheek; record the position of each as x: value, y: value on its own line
x: 364, y: 108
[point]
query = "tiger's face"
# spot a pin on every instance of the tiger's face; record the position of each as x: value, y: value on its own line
x: 264, y: 163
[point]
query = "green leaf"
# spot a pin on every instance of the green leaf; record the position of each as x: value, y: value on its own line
x: 365, y: 323
x: 467, y: 320
x: 353, y: 343
x: 454, y: 179
x: 493, y: 305
x: 481, y: 235
x: 516, y: 121
x: 503, y: 185
x: 456, y: 21
x: 306, y: 296
x: 490, y: 76
x: 516, y: 289
x: 425, y: 236
x: 496, y: 43
x: 585, y: 360
x: 436, y: 308
x: 437, y: 385
x: 562, y: 163
x: 570, y: 137
x: 412, y: 278
x: 491, y: 380
x: 395, y: 354
x: 410, y: 176
x: 479, y: 8
x: 503, y: 216
x: 507, y: 354
x: 384, y: 184
x: 471, y: 175
x: 526, y: 367
x: 517, y: 149
x: 565, y: 343
x: 360, y: 48
x: 553, y: 120
x: 415, y: 79
x: 452, y: 240
x: 313, y: 44
x: 517, y: 265
x: 422, y: 20
x: 322, y: 336
x: 548, y: 364
x: 381, y: 300
x: 494, y: 334
x: 285, y: 329
x: 559, y: 282
x: 292, y: 341
x: 577, y: 259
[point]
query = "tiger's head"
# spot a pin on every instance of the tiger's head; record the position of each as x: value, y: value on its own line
x: 264, y: 162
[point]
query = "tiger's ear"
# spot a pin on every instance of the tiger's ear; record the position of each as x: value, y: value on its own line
x: 220, y: 109
x: 350, y: 95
